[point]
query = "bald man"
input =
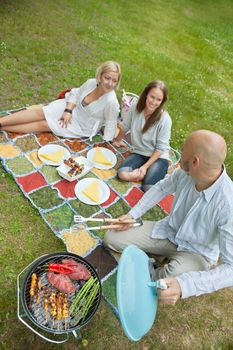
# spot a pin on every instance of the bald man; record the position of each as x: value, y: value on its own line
x: 199, y: 229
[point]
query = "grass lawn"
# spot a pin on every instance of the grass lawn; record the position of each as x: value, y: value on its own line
x: 48, y: 46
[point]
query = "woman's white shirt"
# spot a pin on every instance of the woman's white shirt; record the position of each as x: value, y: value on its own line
x: 156, y: 138
x: 105, y: 110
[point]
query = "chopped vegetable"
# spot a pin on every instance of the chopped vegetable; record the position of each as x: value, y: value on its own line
x: 61, y: 268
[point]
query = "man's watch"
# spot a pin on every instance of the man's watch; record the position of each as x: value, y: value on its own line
x: 68, y: 110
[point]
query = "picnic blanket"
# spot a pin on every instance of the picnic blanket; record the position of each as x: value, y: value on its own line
x: 56, y: 202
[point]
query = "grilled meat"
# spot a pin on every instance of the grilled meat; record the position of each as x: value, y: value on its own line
x: 61, y: 282
x: 81, y: 272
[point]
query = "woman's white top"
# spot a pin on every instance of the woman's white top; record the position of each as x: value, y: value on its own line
x: 85, y: 119
x: 156, y: 138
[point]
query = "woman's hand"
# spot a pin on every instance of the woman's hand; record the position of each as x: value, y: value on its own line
x: 142, y: 170
x: 119, y: 143
x: 65, y: 119
x: 124, y: 227
x: 135, y: 175
x: 138, y: 174
x: 172, y: 293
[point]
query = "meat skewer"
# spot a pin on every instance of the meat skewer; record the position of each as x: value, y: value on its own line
x: 53, y: 304
x: 32, y: 287
x: 46, y: 302
x: 59, y: 308
x: 38, y: 290
x: 65, y: 308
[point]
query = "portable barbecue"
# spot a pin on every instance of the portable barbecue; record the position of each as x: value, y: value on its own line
x: 33, y: 308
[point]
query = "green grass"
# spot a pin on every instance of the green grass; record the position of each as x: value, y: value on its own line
x: 48, y: 46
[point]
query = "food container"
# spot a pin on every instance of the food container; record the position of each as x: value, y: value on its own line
x: 63, y: 169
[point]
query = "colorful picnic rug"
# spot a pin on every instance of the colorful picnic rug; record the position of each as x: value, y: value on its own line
x: 56, y: 202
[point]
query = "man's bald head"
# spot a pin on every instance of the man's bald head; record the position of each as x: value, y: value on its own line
x: 208, y: 146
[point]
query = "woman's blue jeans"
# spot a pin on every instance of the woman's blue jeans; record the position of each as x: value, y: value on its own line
x: 155, y: 172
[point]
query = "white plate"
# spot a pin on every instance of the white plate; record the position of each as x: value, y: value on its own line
x: 108, y: 154
x: 51, y: 149
x: 82, y: 184
x: 63, y: 169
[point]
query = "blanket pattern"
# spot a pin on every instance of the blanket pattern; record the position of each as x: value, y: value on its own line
x: 56, y: 202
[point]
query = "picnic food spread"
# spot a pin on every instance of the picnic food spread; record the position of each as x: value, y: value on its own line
x: 92, y: 191
x: 99, y: 157
x: 54, y: 156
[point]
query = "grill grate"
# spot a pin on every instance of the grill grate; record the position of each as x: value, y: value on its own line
x: 35, y: 309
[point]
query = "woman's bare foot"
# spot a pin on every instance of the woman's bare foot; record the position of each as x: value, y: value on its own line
x: 130, y: 175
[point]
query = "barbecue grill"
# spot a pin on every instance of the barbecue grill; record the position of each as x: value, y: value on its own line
x: 34, y: 307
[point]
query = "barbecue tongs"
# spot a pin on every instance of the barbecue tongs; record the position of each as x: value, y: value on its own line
x: 113, y: 223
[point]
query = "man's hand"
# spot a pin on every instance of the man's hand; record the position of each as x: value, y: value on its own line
x: 172, y: 293
x: 124, y: 226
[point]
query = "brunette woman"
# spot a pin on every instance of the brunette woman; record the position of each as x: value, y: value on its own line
x: 150, y: 129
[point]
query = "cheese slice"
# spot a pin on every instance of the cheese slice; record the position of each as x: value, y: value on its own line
x: 99, y: 157
x: 92, y: 191
x: 56, y: 157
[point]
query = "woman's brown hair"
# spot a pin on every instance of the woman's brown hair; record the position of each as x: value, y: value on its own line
x: 155, y: 116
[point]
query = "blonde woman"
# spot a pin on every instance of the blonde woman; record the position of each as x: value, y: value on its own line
x: 83, y: 110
